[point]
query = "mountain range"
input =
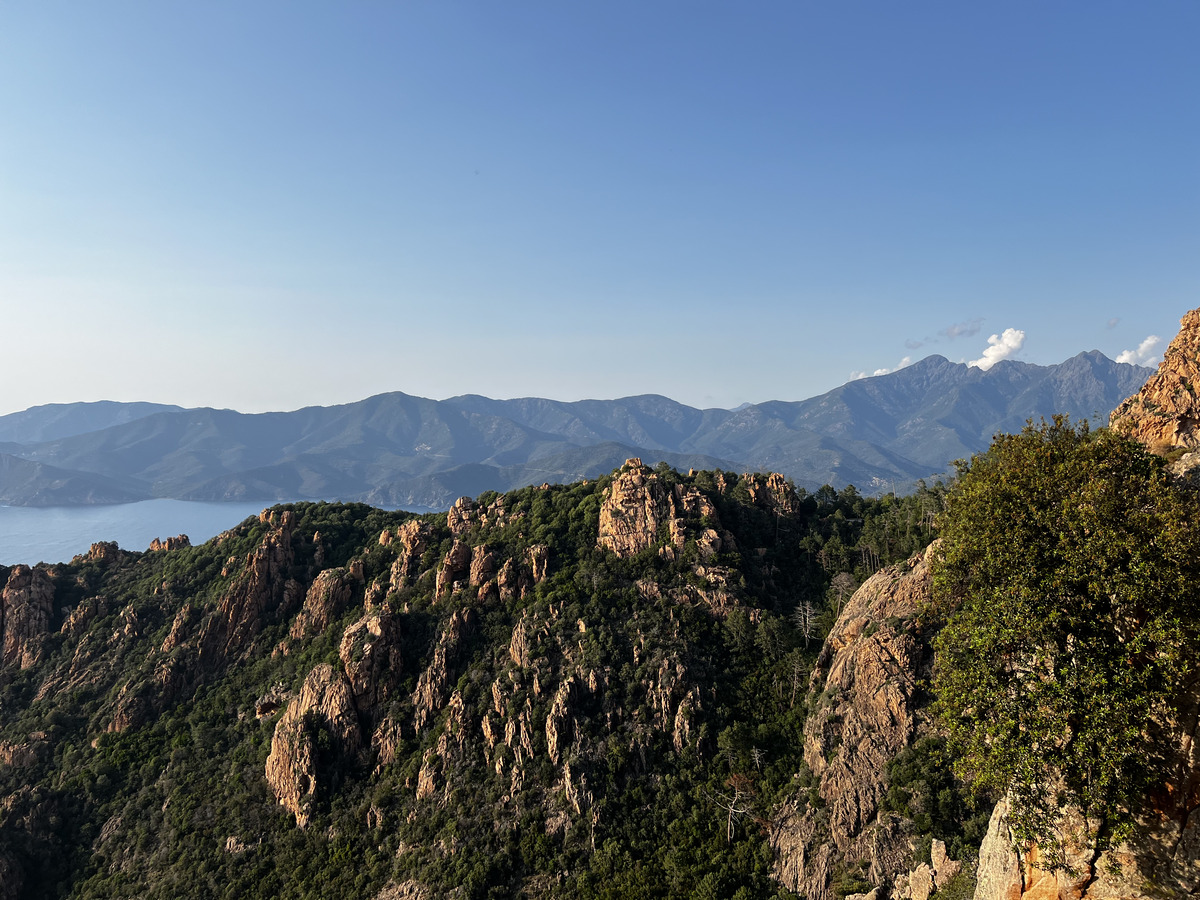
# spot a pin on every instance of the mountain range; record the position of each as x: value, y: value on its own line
x: 399, y: 451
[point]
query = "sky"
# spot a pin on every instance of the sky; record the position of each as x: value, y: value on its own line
x: 269, y: 205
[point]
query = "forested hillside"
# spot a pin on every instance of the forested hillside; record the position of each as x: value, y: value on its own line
x: 594, y: 690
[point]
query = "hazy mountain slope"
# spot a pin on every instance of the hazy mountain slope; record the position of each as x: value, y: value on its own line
x: 878, y: 433
x: 25, y: 483
x: 59, y: 420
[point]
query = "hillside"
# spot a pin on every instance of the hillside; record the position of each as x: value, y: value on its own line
x: 395, y: 450
x: 593, y: 690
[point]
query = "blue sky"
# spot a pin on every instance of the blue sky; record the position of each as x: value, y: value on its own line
x: 269, y: 205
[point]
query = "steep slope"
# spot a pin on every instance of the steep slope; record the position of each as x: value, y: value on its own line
x: 1165, y: 413
x: 580, y: 691
x: 883, y: 810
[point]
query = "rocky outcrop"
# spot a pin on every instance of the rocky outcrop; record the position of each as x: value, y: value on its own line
x: 866, y: 706
x: 172, y: 543
x: 411, y: 540
x: 405, y: 890
x: 1162, y: 858
x: 456, y: 567
x: 637, y: 506
x: 330, y: 593
x: 927, y: 878
x: 325, y: 704
x: 103, y: 552
x: 77, y: 619
x: 483, y: 566
x: 261, y: 590
x: 434, y: 683
x: 466, y: 514
x: 641, y: 510
x: 773, y: 492
x: 370, y: 655
x: 1165, y: 413
x: 26, y: 607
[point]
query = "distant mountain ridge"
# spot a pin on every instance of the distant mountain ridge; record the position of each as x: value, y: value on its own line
x: 396, y: 450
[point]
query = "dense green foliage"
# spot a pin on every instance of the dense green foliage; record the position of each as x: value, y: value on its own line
x: 175, y: 802
x: 1068, y: 575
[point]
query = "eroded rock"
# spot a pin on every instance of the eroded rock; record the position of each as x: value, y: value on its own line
x: 864, y: 695
x: 1165, y: 413
x: 26, y: 607
x: 325, y: 702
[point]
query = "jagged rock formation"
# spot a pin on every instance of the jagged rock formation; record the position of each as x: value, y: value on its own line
x: 866, y: 706
x: 411, y: 540
x: 435, y: 680
x: 326, y: 702
x: 330, y: 594
x: 261, y: 589
x: 371, y: 658
x: 640, y: 510
x: 1165, y: 413
x: 172, y: 543
x: 26, y: 607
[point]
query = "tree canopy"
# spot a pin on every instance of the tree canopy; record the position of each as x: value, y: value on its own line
x: 1068, y: 579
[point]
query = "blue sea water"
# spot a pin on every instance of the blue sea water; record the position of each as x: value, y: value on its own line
x: 55, y: 534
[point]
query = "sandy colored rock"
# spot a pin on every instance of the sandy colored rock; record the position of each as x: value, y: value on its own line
x: 863, y: 693
x: 1165, y: 413
x: 920, y: 883
x: 26, y: 607
x: 103, y: 552
x: 172, y: 543
x: 483, y: 565
x: 944, y: 868
x: 461, y: 516
x: 434, y: 683
x: 455, y: 567
x: 370, y: 655
x: 411, y: 541
x: 640, y: 510
x: 330, y: 593
x: 326, y: 702
x: 262, y: 588
x: 405, y: 890
x: 637, y: 505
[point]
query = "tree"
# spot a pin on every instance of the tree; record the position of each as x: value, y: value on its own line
x: 805, y: 618
x: 1067, y: 577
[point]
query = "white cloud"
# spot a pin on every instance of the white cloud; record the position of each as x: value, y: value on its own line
x: 1000, y: 346
x: 1114, y: 322
x: 1144, y: 355
x: 962, y: 329
x: 907, y: 361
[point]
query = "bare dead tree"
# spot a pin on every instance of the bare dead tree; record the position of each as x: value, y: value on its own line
x: 737, y: 803
x: 843, y: 586
x: 805, y: 618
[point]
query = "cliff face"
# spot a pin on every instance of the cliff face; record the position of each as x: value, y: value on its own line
x: 866, y: 706
x: 1165, y: 413
x: 26, y: 607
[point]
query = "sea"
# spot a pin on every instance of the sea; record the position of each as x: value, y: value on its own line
x: 55, y: 534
